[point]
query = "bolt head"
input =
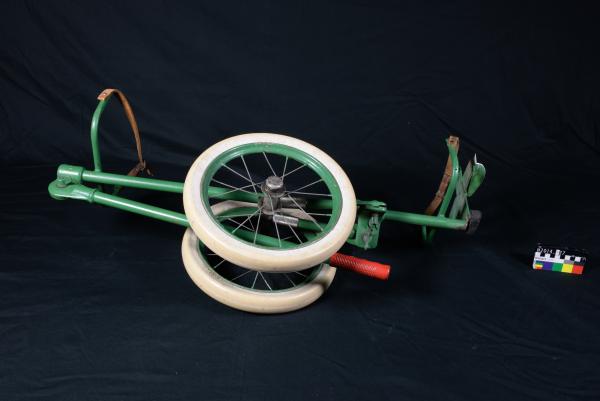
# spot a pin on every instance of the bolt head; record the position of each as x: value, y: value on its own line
x: 274, y: 183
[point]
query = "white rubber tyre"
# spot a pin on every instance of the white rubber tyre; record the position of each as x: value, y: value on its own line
x: 243, y: 298
x: 258, y: 258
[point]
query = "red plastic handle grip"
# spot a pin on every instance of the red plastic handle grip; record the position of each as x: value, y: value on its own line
x: 360, y: 266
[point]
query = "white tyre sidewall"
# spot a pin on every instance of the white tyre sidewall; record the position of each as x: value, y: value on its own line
x: 243, y: 298
x: 244, y: 254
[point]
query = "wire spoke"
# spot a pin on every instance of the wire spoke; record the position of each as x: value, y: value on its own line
x: 231, y: 186
x: 319, y: 214
x: 241, y: 275
x: 269, y: 163
x: 284, y: 167
x: 218, y: 264
x: 311, y: 218
x: 237, y: 189
x: 290, y: 280
x: 243, y: 225
x: 293, y: 171
x: 265, y: 280
x: 254, y: 282
x: 248, y: 172
x: 257, y: 225
x: 251, y: 225
x: 236, y: 215
x: 306, y: 186
x: 235, y: 172
x: 308, y: 193
x: 247, y: 218
x: 302, y: 274
x: 295, y: 234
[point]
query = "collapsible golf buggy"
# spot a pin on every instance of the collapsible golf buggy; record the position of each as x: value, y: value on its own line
x: 266, y: 214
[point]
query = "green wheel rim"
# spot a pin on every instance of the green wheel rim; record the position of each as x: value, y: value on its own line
x: 313, y: 232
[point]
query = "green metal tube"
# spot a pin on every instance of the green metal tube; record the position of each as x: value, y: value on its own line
x: 100, y: 177
x: 426, y: 232
x: 177, y: 218
x: 94, y: 134
x: 453, y: 180
x: 60, y: 191
x: 425, y: 220
x: 139, y: 208
x: 322, y: 204
x: 310, y: 225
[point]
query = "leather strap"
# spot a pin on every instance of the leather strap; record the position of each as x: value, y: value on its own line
x: 439, y: 195
x: 141, y: 165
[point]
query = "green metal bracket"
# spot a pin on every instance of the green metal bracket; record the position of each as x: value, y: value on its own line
x: 369, y: 216
x: 426, y: 232
x: 68, y: 174
x: 60, y: 190
x: 372, y: 205
x: 477, y: 177
x: 366, y: 230
x: 462, y: 186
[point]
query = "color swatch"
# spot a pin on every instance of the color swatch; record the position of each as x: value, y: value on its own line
x: 562, y: 260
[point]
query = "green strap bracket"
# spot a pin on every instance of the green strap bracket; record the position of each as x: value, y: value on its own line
x: 477, y: 177
x: 369, y: 216
x: 366, y: 230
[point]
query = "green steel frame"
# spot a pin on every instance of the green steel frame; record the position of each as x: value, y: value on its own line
x: 453, y: 213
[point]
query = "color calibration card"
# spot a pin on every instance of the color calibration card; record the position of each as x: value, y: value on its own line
x: 565, y: 260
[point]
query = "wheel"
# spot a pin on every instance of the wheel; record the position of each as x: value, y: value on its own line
x: 249, y: 290
x: 300, y: 205
x: 474, y: 221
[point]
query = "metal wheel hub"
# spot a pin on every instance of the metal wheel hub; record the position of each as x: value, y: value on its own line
x: 273, y: 190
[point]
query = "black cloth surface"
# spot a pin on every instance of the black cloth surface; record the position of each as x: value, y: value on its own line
x: 95, y: 303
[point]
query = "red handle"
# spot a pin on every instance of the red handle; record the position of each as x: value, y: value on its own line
x: 361, y: 266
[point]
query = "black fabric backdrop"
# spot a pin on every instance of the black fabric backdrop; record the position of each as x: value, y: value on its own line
x: 95, y: 303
